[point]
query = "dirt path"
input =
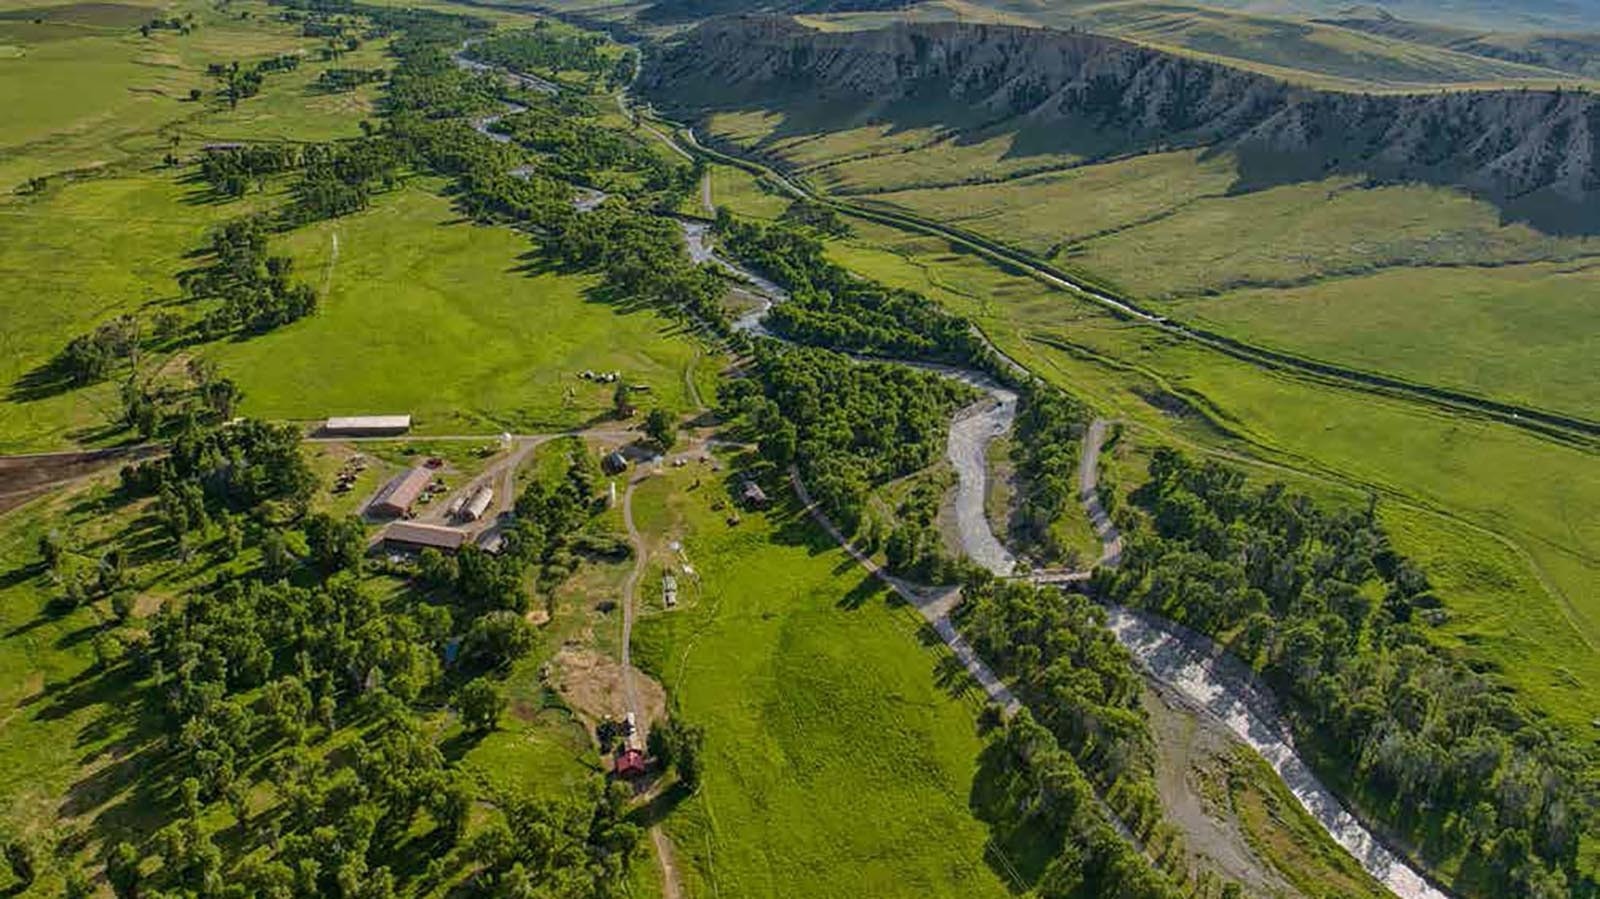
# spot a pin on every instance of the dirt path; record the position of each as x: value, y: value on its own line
x: 333, y: 260
x: 670, y: 887
x: 25, y: 477
x: 1089, y: 495
x: 629, y: 587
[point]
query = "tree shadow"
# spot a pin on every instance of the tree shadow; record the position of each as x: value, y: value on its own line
x: 1019, y: 848
x: 648, y: 814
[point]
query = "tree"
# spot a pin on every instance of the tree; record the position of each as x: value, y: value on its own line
x: 23, y: 859
x: 662, y: 428
x: 676, y: 744
x: 620, y: 400
x: 436, y: 568
x: 480, y: 703
x: 51, y: 549
x: 499, y: 637
x: 77, y: 885
x: 275, y: 555
x: 194, y: 94
x: 337, y: 544
x: 122, y: 870
x: 221, y: 397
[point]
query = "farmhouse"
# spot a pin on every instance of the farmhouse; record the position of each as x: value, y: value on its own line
x: 411, y: 536
x: 367, y: 426
x: 396, y: 497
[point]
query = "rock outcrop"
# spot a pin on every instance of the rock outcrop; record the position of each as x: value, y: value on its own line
x: 1536, y: 154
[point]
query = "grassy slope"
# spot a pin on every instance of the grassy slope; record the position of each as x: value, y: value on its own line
x: 453, y: 329
x: 1516, y: 330
x: 1302, y: 51
x: 73, y: 257
x: 1423, y: 282
x: 485, y: 335
x: 836, y: 767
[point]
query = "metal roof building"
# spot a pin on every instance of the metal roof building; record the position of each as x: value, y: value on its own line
x: 397, y: 496
x: 413, y: 535
x: 367, y: 425
x: 479, y: 503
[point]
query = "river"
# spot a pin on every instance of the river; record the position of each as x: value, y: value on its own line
x: 1185, y: 662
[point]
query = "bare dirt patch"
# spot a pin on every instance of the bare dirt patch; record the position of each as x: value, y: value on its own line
x: 592, y: 684
x: 1192, y: 755
x: 24, y: 477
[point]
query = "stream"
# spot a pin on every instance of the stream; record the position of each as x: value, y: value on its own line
x: 1186, y: 662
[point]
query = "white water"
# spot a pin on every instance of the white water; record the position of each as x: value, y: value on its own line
x: 1206, y: 674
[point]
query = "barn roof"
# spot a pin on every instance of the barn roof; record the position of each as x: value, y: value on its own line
x: 430, y: 535
x: 401, y: 492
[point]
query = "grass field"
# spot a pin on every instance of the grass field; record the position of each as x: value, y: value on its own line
x: 1518, y: 332
x: 836, y: 766
x: 458, y: 330
x: 87, y: 90
x: 79, y: 254
x: 1497, y: 514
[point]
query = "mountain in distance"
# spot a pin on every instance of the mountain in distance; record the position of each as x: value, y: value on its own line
x: 1533, y: 153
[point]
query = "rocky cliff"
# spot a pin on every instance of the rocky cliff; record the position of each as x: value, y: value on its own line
x: 1536, y: 154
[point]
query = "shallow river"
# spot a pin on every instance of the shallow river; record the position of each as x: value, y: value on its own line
x: 1185, y: 662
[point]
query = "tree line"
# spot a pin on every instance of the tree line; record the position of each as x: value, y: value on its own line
x: 830, y: 306
x: 1321, y: 603
x: 1083, y: 693
x: 545, y: 50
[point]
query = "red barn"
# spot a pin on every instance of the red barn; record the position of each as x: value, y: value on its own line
x: 630, y: 764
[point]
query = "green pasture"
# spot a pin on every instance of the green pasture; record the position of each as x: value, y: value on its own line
x: 1040, y: 213
x: 75, y: 256
x: 86, y: 90
x: 291, y: 107
x: 455, y: 323
x: 1497, y: 514
x: 1421, y: 282
x: 1290, y: 235
x: 1523, y: 333
x: 836, y: 763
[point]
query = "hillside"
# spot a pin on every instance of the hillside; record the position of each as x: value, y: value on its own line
x: 1574, y: 52
x: 1534, y: 154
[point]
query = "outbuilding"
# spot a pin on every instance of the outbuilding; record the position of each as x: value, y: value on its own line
x: 412, y: 536
x: 614, y: 462
x: 367, y: 426
x: 479, y: 504
x: 397, y: 496
x: 753, y: 495
x: 630, y: 763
